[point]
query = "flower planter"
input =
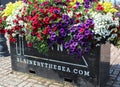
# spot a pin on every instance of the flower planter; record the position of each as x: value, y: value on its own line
x: 89, y: 70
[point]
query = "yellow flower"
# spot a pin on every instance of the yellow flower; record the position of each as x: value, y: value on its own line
x: 42, y: 0
x: 108, y: 7
x: 113, y: 10
x: 73, y: 2
x: 10, y: 7
x: 8, y: 10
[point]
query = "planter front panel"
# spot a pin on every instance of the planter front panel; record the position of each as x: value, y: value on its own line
x: 84, y: 71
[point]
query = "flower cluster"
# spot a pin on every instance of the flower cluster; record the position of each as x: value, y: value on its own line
x: 81, y: 37
x: 15, y: 20
x: 104, y: 26
x: 71, y: 25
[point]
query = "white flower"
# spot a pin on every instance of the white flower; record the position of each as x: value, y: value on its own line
x: 10, y: 19
x: 102, y: 22
x: 21, y: 23
x: 70, y: 14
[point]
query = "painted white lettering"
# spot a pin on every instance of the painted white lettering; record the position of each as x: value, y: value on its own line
x: 86, y: 73
x: 30, y: 62
x: 42, y: 64
x: 34, y: 63
x: 68, y: 69
x: 63, y: 68
x: 80, y: 72
x: 46, y: 65
x: 59, y: 68
x: 50, y: 66
x: 75, y: 71
x: 55, y: 67
x: 38, y: 63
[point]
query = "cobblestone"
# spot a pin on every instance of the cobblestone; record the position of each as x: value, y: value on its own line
x: 38, y: 85
x: 54, y: 86
x: 22, y: 84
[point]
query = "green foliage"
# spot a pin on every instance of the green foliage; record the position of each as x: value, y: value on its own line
x: 41, y: 46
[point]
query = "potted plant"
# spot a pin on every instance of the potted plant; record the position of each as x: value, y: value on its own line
x: 63, y: 38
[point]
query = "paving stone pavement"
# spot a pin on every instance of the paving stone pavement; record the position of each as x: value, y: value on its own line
x: 9, y: 78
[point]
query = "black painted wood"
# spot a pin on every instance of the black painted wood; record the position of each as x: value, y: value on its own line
x: 91, y: 70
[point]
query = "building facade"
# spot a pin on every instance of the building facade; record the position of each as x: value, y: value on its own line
x: 3, y: 2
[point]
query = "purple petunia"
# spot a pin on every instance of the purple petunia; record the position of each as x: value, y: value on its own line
x: 118, y: 14
x: 80, y: 38
x: 87, y: 3
x: 90, y: 22
x: 62, y: 32
x: 25, y: 1
x: 52, y: 36
x: 65, y: 17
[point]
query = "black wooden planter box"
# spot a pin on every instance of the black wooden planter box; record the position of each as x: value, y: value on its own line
x: 90, y: 70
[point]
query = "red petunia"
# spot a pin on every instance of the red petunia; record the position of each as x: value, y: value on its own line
x: 100, y: 7
x: 0, y: 20
x: 39, y: 36
x: 29, y: 2
x: 54, y: 16
x: 5, y: 17
x: 34, y: 11
x: 13, y: 40
x: 86, y: 10
x: 68, y: 10
x: 29, y: 44
x: 46, y: 31
x: 54, y: 28
x: 2, y: 31
x: 47, y: 20
x: 77, y: 21
x: 82, y: 30
x: 78, y: 15
x: 41, y: 10
x: 15, y: 21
